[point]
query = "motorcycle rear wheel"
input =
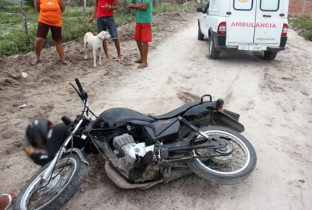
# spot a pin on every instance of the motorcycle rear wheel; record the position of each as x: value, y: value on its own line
x: 66, y: 179
x: 231, y: 169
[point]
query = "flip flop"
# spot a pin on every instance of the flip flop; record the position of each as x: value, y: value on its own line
x: 138, y: 61
x: 35, y: 62
x: 142, y: 66
x: 7, y: 199
x: 65, y: 62
x: 120, y: 60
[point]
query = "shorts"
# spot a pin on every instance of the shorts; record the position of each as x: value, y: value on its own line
x: 143, y: 32
x: 104, y: 23
x: 43, y: 29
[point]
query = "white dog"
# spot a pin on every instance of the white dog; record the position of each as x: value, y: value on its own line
x: 97, y: 44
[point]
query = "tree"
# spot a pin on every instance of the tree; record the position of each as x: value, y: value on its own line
x: 25, y: 22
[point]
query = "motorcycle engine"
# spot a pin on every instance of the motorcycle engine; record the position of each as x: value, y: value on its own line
x: 127, y: 147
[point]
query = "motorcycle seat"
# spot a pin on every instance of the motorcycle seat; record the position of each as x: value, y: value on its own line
x: 175, y: 112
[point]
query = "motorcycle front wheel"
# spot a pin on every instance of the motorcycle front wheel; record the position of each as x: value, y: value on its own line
x: 67, y: 176
x: 227, y: 169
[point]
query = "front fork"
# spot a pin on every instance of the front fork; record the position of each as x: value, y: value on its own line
x: 45, y: 177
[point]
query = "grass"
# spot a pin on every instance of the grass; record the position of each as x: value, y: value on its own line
x: 13, y: 37
x: 304, y: 23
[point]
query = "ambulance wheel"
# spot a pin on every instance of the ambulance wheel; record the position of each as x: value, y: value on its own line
x: 212, y: 51
x: 200, y: 35
x: 270, y: 55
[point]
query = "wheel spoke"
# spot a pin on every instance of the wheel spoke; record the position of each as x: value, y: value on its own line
x: 41, y: 195
x: 225, y: 164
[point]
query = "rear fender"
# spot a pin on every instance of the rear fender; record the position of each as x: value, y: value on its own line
x: 228, y: 119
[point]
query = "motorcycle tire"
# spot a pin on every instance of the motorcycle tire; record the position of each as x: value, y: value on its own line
x: 213, y: 169
x: 70, y: 167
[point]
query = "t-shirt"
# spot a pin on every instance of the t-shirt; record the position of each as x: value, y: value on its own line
x: 50, y: 13
x: 144, y: 16
x: 102, y: 12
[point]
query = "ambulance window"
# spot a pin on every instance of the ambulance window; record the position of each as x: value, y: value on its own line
x: 269, y: 5
x: 243, y: 4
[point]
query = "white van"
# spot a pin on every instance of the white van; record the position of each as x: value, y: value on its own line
x: 253, y: 25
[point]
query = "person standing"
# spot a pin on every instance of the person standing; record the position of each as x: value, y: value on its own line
x: 104, y: 12
x: 143, y: 29
x: 50, y: 18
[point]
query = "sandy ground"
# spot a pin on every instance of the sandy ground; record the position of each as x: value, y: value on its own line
x: 273, y: 98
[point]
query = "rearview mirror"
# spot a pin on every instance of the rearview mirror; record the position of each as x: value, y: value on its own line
x: 199, y: 9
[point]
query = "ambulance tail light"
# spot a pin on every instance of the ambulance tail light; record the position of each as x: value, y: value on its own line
x: 222, y: 28
x: 285, y: 29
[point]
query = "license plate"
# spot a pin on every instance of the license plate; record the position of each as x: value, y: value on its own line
x: 250, y: 47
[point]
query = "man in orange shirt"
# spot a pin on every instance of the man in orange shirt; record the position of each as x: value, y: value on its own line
x: 50, y: 17
x: 104, y: 12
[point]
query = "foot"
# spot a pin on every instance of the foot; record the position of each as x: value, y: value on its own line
x: 120, y: 59
x: 139, y: 61
x: 142, y: 66
x: 6, y: 200
x: 65, y: 62
x: 35, y: 62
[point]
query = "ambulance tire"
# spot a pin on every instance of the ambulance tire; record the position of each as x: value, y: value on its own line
x: 270, y: 55
x: 212, y: 51
x: 200, y: 35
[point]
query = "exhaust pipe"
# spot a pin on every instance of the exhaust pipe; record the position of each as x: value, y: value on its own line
x: 121, y: 182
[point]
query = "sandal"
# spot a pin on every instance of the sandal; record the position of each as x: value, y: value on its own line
x: 142, y: 66
x: 6, y: 200
x: 120, y: 60
x: 35, y: 62
x: 138, y: 61
x: 66, y: 63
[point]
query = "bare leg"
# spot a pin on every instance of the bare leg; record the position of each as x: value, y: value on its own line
x: 38, y: 49
x: 105, y: 49
x: 140, y: 46
x: 144, y: 55
x: 117, y: 45
x: 60, y: 50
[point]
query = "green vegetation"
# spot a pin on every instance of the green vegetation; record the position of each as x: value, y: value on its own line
x: 4, y: 4
x: 303, y: 23
x: 13, y: 37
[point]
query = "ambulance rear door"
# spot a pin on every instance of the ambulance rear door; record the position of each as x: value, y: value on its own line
x: 269, y: 22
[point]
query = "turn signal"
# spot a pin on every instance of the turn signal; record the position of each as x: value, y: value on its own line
x: 220, y: 104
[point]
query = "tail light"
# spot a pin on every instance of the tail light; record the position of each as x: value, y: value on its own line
x: 285, y: 29
x: 222, y: 28
x: 220, y: 104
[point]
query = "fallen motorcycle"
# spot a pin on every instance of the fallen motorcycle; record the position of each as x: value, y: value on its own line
x: 142, y: 151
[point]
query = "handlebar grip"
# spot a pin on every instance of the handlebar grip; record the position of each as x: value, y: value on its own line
x: 79, y: 85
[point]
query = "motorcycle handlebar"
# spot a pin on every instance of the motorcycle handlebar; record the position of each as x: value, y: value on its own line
x: 79, y: 85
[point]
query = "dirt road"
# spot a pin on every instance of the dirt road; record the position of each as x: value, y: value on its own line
x: 273, y: 98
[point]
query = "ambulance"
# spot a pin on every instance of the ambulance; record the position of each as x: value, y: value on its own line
x: 248, y: 25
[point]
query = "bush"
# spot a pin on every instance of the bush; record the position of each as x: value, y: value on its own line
x: 29, y: 3
x: 308, y: 35
x: 4, y: 4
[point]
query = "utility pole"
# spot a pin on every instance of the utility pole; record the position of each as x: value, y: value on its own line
x: 84, y: 11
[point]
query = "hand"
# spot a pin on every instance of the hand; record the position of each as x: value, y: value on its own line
x: 91, y: 19
x: 107, y: 6
x: 29, y: 150
x: 130, y: 5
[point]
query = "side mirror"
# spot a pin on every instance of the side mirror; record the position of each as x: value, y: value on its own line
x: 199, y: 9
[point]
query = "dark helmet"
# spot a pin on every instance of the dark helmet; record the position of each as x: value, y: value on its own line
x: 38, y: 131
